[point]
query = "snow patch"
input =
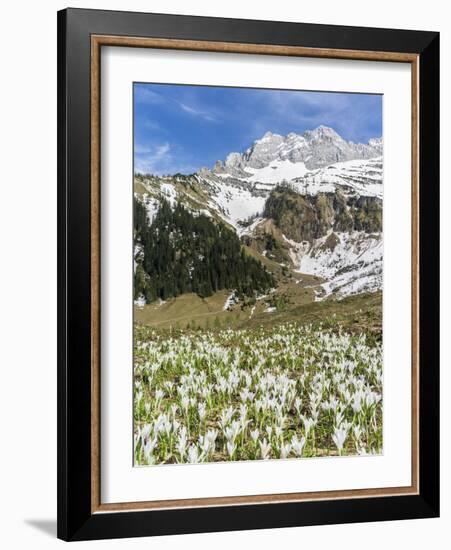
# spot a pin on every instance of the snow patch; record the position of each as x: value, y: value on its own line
x: 237, y: 203
x: 140, y: 302
x: 362, y: 177
x: 137, y: 255
x: 249, y: 229
x: 231, y: 300
x: 169, y: 193
x: 351, y: 266
x: 151, y: 204
x: 277, y: 172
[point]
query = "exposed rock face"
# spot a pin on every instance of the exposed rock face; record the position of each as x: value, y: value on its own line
x: 264, y: 150
x: 306, y: 217
x: 315, y: 148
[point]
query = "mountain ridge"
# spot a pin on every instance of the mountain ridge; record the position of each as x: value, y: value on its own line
x: 333, y: 231
x: 315, y: 148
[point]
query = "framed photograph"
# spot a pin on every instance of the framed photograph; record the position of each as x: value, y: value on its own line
x: 248, y: 274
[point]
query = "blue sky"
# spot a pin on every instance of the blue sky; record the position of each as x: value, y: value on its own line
x: 181, y: 128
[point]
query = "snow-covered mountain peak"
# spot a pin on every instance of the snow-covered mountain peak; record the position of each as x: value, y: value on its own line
x: 263, y: 151
x: 233, y: 160
x: 315, y: 149
x: 268, y: 136
x: 322, y: 133
x: 376, y: 143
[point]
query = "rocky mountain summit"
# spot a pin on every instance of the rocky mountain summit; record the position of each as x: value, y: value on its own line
x: 315, y: 148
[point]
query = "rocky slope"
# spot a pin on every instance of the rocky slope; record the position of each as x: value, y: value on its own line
x: 322, y: 195
x: 314, y: 148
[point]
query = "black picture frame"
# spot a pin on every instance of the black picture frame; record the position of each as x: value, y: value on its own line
x: 75, y: 518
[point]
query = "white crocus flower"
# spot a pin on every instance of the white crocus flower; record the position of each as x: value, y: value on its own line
x: 205, y: 445
x: 285, y: 450
x: 159, y: 394
x: 308, y: 424
x: 333, y: 402
x: 167, y: 427
x: 339, y: 437
x: 211, y: 436
x: 339, y: 416
x: 231, y: 447
x: 372, y: 398
x: 255, y: 434
x: 298, y: 405
x: 232, y: 431
x: 357, y: 402
x: 357, y: 429
x: 182, y: 442
x: 193, y: 454
x: 278, y: 430
x: 202, y: 411
x: 297, y: 445
x: 185, y: 402
x: 265, y: 449
x: 144, y: 433
x: 226, y: 416
x: 149, y: 448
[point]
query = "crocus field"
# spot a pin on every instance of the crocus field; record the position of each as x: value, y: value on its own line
x: 286, y: 392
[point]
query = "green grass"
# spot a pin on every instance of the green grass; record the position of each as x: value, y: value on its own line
x: 356, y: 314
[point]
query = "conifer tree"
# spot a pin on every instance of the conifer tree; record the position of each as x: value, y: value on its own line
x: 186, y: 253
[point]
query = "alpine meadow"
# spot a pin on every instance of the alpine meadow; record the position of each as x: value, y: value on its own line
x: 257, y: 277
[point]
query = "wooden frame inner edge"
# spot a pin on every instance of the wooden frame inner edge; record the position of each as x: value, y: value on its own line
x: 106, y: 40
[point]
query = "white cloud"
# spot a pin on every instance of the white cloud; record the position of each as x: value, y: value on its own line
x: 144, y: 95
x: 158, y: 160
x: 142, y: 149
x: 281, y: 111
x: 162, y: 150
x: 149, y: 159
x: 197, y: 112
